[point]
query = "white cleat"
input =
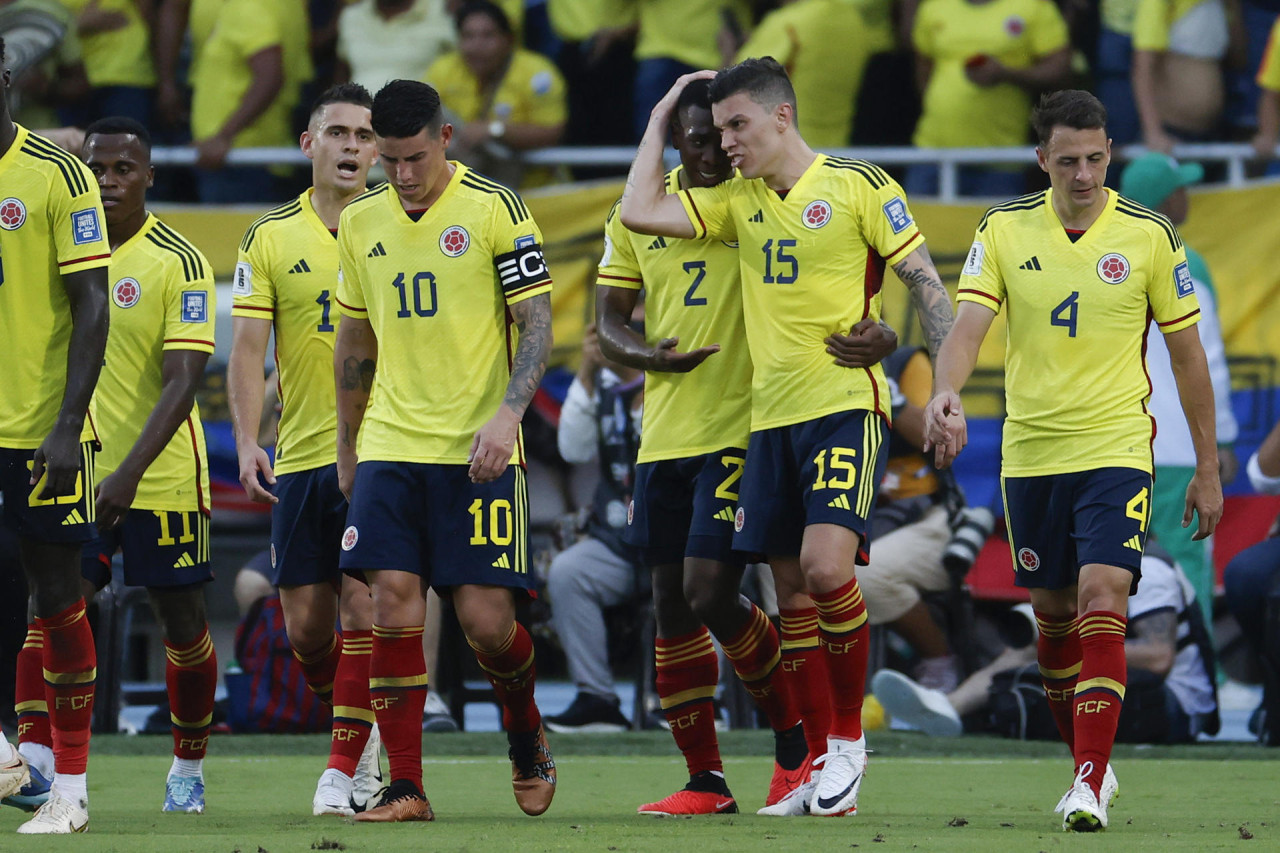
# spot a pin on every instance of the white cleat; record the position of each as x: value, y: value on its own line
x: 927, y: 710
x: 333, y: 794
x: 796, y: 803
x: 58, y: 816
x: 367, y: 783
x: 1080, y: 809
x: 1110, y: 788
x: 13, y: 775
x: 843, y: 766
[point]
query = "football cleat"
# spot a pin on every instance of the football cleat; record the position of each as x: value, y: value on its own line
x: 333, y: 794
x: 184, y: 794
x: 1110, y: 788
x: 911, y: 702
x: 367, y: 782
x: 1080, y: 808
x: 794, y: 804
x: 402, y: 802
x: 533, y: 770
x: 687, y: 802
x: 843, y: 766
x: 58, y: 816
x: 785, y: 781
x: 18, y: 778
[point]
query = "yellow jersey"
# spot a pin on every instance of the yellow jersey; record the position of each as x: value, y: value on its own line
x: 692, y: 293
x: 119, y: 57
x: 811, y: 264
x: 51, y: 224
x: 579, y: 20
x: 686, y: 30
x: 437, y: 292
x: 957, y: 113
x: 532, y: 91
x: 287, y: 272
x: 821, y: 44
x: 1269, y: 69
x: 162, y: 299
x: 1161, y: 25
x: 1076, y: 383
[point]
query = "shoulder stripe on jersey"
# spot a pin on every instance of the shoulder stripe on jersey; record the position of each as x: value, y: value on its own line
x: 370, y: 193
x: 514, y: 204
x: 74, y: 166
x: 177, y: 243
x: 284, y: 211
x: 881, y: 173
x: 76, y: 183
x: 1137, y: 211
x: 1025, y: 202
x: 511, y: 211
x: 862, y: 167
x: 497, y: 187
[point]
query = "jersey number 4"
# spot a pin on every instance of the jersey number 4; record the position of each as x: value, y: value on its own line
x: 1066, y: 312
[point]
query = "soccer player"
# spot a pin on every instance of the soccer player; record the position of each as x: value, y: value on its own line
x: 286, y: 280
x: 814, y: 234
x: 53, y: 332
x: 1079, y: 270
x: 446, y: 297
x: 687, y: 478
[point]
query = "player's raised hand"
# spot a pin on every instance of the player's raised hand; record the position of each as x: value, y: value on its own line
x: 667, y: 359
x: 57, y: 462
x: 869, y: 342
x: 945, y: 430
x: 254, y: 461
x: 1204, y: 498
x: 492, y: 446
x: 113, y: 497
x: 662, y: 110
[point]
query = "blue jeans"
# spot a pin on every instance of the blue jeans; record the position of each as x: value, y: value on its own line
x: 1114, y: 88
x: 922, y: 179
x: 1251, y: 584
x: 132, y: 102
x: 252, y: 185
x: 653, y: 78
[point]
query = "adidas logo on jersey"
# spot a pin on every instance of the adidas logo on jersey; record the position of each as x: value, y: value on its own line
x: 1033, y: 264
x: 501, y: 563
x: 301, y: 266
x: 759, y: 217
x: 184, y: 562
x: 659, y: 243
x: 725, y: 514
x: 1135, y: 542
x: 840, y: 502
x: 377, y: 251
x: 73, y: 517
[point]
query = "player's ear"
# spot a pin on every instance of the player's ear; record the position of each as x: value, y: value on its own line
x: 305, y: 142
x: 151, y: 176
x: 446, y: 133
x: 1042, y: 159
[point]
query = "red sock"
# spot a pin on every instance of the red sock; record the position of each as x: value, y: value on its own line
x: 28, y: 692
x: 397, y: 693
x: 512, y: 673
x: 688, y: 670
x: 320, y: 668
x: 805, y: 665
x: 1058, y: 650
x: 352, y: 714
x: 842, y: 631
x: 755, y: 655
x: 70, y: 667
x: 191, y: 676
x: 1099, y: 692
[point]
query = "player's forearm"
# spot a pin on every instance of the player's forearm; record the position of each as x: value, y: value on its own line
x: 533, y: 320
x: 1191, y: 371
x: 355, y: 364
x: 618, y: 341
x: 181, y: 378
x: 525, y: 137
x: 1269, y: 117
x: 245, y: 393
x: 1143, y: 79
x: 171, y: 27
x: 645, y: 189
x: 90, y: 315
x: 1153, y: 657
x: 929, y: 296
x: 1049, y: 72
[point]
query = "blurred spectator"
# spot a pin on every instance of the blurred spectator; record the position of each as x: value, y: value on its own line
x: 1113, y: 70
x: 502, y: 99
x: 115, y: 37
x: 245, y: 81
x: 1252, y: 585
x: 513, y: 9
x: 596, y: 41
x: 825, y: 46
x: 1264, y: 142
x: 1256, y: 18
x: 600, y: 420
x: 677, y: 37
x: 44, y: 57
x: 384, y: 40
x: 1178, y: 83
x: 1159, y: 182
x: 979, y: 63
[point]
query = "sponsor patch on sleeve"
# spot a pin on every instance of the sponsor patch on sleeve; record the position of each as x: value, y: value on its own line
x: 521, y: 269
x: 973, y: 263
x: 195, y: 306
x: 85, y: 227
x: 1182, y: 280
x: 526, y: 241
x: 895, y: 210
x: 242, y: 284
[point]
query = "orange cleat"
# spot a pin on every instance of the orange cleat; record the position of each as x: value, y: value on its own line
x: 686, y: 802
x: 786, y: 781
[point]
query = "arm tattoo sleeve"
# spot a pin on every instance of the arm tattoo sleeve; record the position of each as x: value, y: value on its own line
x: 358, y: 374
x: 533, y: 319
x: 929, y: 295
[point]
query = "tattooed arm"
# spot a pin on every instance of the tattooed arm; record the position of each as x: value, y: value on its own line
x: 355, y: 361
x: 930, y: 297
x: 1154, y: 643
x: 491, y: 448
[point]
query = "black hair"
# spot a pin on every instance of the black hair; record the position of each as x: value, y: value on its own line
x: 763, y: 79
x: 402, y: 108
x: 120, y: 125
x: 696, y: 94
x: 343, y: 93
x: 483, y: 7
x: 1073, y: 108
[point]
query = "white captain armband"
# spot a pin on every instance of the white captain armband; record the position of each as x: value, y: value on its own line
x: 521, y: 270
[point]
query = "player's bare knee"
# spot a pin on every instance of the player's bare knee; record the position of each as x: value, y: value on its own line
x: 355, y: 608
x: 823, y: 575
x: 180, y: 612
x: 53, y: 575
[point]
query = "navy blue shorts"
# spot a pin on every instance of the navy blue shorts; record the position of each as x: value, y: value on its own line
x: 685, y: 507
x: 823, y: 471
x: 162, y: 548
x: 306, y: 527
x: 66, y: 520
x: 433, y: 521
x: 1060, y: 522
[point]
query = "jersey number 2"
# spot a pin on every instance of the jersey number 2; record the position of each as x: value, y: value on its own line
x: 699, y: 272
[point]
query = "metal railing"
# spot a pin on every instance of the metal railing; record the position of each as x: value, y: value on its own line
x: 1235, y: 155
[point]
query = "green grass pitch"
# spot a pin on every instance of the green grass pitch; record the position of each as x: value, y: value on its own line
x: 973, y: 794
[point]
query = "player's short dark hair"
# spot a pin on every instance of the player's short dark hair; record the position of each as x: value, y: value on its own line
x: 1073, y: 108
x: 343, y: 93
x: 696, y: 94
x: 763, y: 79
x: 122, y: 126
x: 483, y: 7
x: 402, y: 108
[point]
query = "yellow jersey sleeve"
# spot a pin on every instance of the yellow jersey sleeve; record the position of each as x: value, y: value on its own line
x: 980, y: 278
x: 517, y: 253
x: 78, y: 224
x: 1151, y: 24
x: 709, y: 210
x: 1170, y: 291
x: 1269, y: 69
x: 887, y: 222
x: 253, y: 287
x: 190, y: 309
x: 545, y: 98
x: 350, y: 296
x: 619, y: 266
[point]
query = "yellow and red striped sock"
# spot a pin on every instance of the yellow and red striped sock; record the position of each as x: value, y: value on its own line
x: 352, y: 714
x: 28, y: 698
x: 191, y: 677
x: 1100, y: 691
x: 397, y: 693
x: 842, y: 630
x: 687, y: 672
x: 756, y: 654
x: 1058, y: 651
x: 320, y: 667
x: 512, y: 671
x: 805, y: 665
x: 70, y: 665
